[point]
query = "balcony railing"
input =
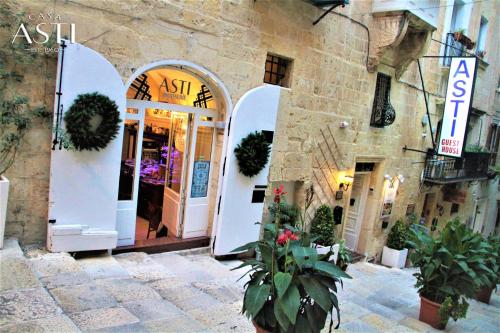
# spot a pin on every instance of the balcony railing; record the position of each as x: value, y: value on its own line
x: 452, y: 48
x: 473, y: 166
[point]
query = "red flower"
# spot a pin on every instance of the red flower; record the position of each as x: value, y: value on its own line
x: 282, y: 239
x: 278, y: 193
x: 285, y: 237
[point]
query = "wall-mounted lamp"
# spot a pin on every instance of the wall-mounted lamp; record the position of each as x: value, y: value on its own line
x: 391, y: 180
x: 346, y: 182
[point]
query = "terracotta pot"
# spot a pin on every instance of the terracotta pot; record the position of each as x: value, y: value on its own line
x: 429, y: 313
x: 484, y: 295
x: 259, y: 329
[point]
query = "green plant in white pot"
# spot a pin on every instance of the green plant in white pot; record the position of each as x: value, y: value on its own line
x: 395, y: 253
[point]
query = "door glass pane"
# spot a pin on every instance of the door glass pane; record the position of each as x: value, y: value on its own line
x: 129, y: 150
x: 201, y: 165
x: 177, y: 149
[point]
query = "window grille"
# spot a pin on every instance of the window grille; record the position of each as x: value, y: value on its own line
x: 141, y: 88
x: 383, y: 113
x: 277, y: 70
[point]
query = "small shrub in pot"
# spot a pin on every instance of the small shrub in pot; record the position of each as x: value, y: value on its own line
x: 394, y: 254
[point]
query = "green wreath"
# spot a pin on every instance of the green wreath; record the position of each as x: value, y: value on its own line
x: 252, y: 153
x: 92, y: 121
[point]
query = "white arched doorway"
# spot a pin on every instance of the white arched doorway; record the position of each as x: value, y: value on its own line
x: 172, y: 144
x: 91, y: 204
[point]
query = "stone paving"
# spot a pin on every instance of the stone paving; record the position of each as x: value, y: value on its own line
x: 187, y: 292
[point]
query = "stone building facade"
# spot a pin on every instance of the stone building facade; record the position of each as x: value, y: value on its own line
x: 333, y: 79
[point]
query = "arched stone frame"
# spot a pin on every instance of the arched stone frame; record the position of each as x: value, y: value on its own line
x: 204, y: 74
x: 224, y: 108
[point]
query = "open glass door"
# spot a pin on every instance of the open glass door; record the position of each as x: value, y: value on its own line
x: 196, y: 212
x: 129, y: 176
x: 176, y: 152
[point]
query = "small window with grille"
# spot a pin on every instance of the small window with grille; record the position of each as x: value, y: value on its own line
x: 278, y: 70
x: 383, y: 113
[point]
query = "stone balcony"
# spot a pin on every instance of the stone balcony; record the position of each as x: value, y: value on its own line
x: 401, y: 32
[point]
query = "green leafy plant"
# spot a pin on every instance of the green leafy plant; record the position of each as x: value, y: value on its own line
x: 398, y: 235
x: 16, y: 112
x: 344, y: 256
x: 450, y: 265
x: 323, y: 226
x: 289, y: 213
x: 252, y: 153
x: 490, y: 274
x: 453, y: 309
x: 291, y: 287
x: 476, y: 149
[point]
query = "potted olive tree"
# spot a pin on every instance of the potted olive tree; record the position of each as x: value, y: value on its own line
x: 323, y: 226
x: 394, y: 254
x: 490, y: 275
x: 291, y: 288
x: 448, y: 271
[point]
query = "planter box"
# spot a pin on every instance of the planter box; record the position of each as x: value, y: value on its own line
x: 324, y: 250
x: 4, y: 196
x: 394, y: 258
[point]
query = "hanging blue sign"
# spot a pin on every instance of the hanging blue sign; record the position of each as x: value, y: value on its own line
x: 199, y: 186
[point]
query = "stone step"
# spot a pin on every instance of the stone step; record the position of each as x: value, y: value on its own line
x: 16, y: 271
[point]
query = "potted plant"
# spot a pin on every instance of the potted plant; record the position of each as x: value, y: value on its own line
x: 448, y: 265
x: 460, y: 37
x: 291, y: 287
x: 394, y: 254
x: 323, y: 227
x: 490, y: 275
x: 344, y: 256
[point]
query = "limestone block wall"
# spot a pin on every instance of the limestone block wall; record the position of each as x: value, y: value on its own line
x: 231, y: 38
x: 29, y: 175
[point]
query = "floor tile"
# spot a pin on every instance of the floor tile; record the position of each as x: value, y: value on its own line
x: 103, y: 318
x: 25, y: 305
x: 128, y: 290
x: 82, y: 297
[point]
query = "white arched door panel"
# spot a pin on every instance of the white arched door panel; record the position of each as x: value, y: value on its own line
x: 84, y: 184
x: 240, y: 203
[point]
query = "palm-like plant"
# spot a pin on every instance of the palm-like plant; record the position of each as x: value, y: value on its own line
x: 291, y: 287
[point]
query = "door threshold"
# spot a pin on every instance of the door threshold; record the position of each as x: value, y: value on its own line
x: 164, y: 244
